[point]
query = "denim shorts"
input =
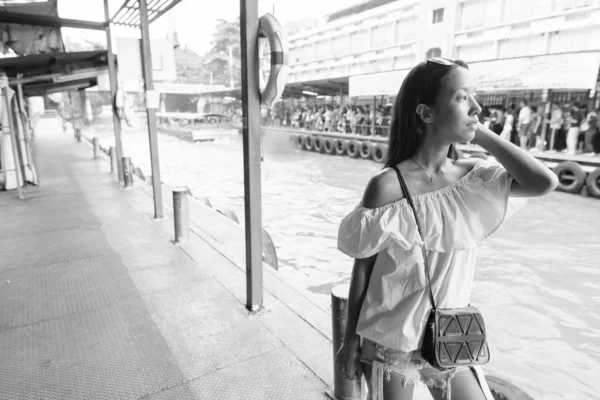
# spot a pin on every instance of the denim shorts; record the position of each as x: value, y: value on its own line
x: 411, y: 367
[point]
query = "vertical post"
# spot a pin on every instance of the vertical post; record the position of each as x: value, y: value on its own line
x: 72, y: 113
x: 251, y: 139
x: 373, y: 119
x: 113, y: 159
x: 96, y: 146
x: 13, y: 140
x: 343, y: 389
x: 180, y: 215
x: 127, y: 172
x: 112, y: 75
x: 151, y: 106
x: 83, y: 102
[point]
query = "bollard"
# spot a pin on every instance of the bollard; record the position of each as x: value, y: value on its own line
x: 343, y: 389
x: 113, y: 159
x: 96, y: 144
x: 127, y: 172
x: 180, y: 214
x: 78, y: 134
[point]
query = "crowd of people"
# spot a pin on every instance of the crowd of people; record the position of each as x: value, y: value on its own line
x: 572, y: 128
x: 355, y: 119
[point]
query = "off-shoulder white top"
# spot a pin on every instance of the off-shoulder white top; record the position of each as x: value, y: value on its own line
x: 454, y: 220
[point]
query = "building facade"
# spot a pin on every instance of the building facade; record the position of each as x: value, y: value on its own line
x: 535, y: 49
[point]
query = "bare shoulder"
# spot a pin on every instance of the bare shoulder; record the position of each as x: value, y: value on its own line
x: 383, y: 188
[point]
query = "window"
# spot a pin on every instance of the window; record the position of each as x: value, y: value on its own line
x: 438, y: 16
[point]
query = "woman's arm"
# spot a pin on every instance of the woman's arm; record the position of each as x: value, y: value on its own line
x: 361, y: 274
x: 531, y: 177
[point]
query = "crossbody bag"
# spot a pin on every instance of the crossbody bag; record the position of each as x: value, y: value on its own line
x: 454, y: 337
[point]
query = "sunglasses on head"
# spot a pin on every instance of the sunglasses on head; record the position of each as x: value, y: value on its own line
x: 440, y: 61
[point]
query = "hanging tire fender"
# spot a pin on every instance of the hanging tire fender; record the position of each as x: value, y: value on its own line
x: 309, y: 142
x: 571, y: 177
x: 593, y: 183
x: 379, y: 152
x: 300, y: 141
x: 353, y: 148
x: 341, y: 146
x: 318, y: 144
x: 365, y: 149
x: 269, y: 27
x: 329, y: 145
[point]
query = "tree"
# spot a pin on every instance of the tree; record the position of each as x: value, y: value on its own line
x: 190, y: 66
x: 225, y: 36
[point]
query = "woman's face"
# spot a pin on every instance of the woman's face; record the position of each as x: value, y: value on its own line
x: 455, y: 109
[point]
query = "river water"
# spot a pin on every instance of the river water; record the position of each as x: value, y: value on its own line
x: 537, y: 281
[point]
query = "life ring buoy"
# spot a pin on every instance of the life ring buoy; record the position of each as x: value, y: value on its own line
x: 353, y: 148
x: 379, y: 152
x: 309, y: 142
x: 329, y: 145
x: 300, y: 141
x: 593, y: 183
x: 365, y: 149
x: 318, y: 144
x: 269, y: 27
x: 341, y: 146
x: 119, y: 103
x: 571, y: 177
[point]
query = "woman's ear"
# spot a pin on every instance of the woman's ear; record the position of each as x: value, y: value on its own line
x: 425, y: 113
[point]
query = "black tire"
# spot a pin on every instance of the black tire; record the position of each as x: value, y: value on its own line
x: 309, y: 142
x: 379, y: 153
x: 481, y: 155
x: 329, y: 145
x: 341, y: 146
x: 571, y: 177
x: 593, y: 183
x: 353, y: 148
x: 365, y: 149
x: 318, y: 144
x: 300, y: 141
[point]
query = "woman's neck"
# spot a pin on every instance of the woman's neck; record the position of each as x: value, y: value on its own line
x: 432, y: 156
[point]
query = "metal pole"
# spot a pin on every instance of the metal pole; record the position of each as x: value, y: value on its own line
x: 343, y: 389
x: 112, y: 75
x: 180, y: 215
x: 96, y: 144
x: 78, y: 134
x: 72, y: 112
x: 11, y: 126
x: 83, y: 102
x: 373, y: 119
x: 113, y: 159
x: 151, y: 99
x: 252, y: 153
x: 127, y: 172
x: 26, y: 131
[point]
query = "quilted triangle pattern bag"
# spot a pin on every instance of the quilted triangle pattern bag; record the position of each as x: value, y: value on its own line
x: 454, y: 337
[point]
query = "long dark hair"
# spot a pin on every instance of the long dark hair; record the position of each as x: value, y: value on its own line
x: 422, y: 85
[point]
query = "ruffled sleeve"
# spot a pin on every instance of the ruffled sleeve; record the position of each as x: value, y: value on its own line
x: 487, y: 198
x: 366, y: 231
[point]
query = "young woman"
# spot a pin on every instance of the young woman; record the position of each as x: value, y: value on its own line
x: 459, y: 203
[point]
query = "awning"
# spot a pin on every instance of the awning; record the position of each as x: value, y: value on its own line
x: 377, y: 84
x: 573, y: 71
x: 48, y: 73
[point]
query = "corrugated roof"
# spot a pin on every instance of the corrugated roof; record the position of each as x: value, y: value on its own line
x: 129, y: 12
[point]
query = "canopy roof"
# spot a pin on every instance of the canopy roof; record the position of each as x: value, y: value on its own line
x: 56, y: 72
x: 129, y: 12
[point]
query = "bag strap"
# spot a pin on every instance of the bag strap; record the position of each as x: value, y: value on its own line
x: 414, y: 210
